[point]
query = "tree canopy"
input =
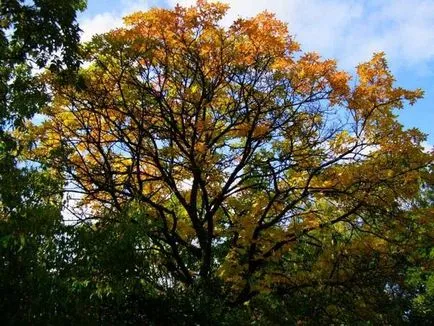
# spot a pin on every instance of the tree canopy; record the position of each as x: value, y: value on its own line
x: 226, y: 162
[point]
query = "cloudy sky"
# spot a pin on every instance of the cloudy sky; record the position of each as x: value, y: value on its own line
x: 347, y: 30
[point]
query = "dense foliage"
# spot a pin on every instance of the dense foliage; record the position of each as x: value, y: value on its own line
x: 226, y: 178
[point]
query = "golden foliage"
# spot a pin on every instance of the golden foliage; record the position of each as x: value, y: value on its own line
x: 230, y: 135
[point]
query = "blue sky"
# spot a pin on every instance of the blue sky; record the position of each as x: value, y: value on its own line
x: 347, y: 30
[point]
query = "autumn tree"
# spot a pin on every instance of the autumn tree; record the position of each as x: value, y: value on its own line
x: 256, y: 165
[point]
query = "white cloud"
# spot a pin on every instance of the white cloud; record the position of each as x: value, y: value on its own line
x: 106, y: 21
x: 427, y: 147
x: 347, y: 30
x: 352, y: 30
x: 98, y: 24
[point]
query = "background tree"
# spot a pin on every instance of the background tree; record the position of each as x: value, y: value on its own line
x: 418, y: 286
x: 33, y: 35
x: 257, y: 167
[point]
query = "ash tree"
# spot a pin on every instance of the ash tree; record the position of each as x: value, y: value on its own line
x: 255, y: 165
